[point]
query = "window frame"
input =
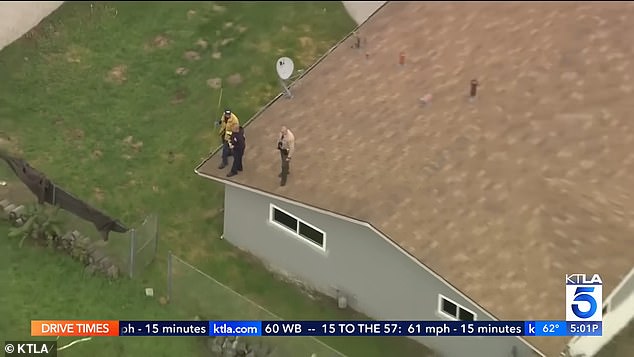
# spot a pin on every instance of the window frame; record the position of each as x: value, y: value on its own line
x: 441, y: 297
x: 295, y: 233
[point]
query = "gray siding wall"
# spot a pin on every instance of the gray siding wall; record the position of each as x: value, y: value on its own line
x: 624, y: 292
x: 383, y: 282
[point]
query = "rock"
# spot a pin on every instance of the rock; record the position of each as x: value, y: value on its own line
x: 90, y: 269
x: 9, y: 208
x: 105, y: 263
x: 163, y: 300
x: 229, y: 353
x: 215, y: 349
x: 4, y: 203
x: 216, y: 55
x: 181, y: 71
x: 250, y: 354
x: 19, y: 210
x: 191, y: 14
x: 96, y: 256
x: 112, y: 272
x: 241, y: 347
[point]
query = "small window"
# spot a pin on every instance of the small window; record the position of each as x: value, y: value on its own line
x: 285, y: 219
x: 464, y: 315
x: 311, y: 233
x: 449, y: 308
x: 454, y: 311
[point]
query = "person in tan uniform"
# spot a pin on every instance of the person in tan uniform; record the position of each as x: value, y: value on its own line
x: 286, y: 146
x: 228, y: 123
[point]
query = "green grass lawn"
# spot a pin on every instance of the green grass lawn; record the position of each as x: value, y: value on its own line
x: 92, y: 97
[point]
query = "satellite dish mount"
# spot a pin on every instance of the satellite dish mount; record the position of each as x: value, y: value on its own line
x: 285, y: 68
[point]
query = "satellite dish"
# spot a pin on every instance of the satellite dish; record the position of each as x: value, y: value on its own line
x: 285, y: 67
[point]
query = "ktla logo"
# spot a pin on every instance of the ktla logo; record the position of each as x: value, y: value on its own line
x: 584, y: 297
x: 30, y: 348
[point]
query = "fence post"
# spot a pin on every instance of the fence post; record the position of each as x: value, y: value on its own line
x: 132, y: 248
x: 169, y: 276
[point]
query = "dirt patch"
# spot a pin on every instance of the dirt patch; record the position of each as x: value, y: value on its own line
x: 136, y: 146
x: 202, y: 44
x: 181, y: 71
x: 214, y: 83
x: 96, y: 154
x: 212, y: 214
x: 226, y: 41
x: 306, y: 42
x: 73, y: 55
x: 191, y: 56
x: 75, y: 134
x: 241, y: 29
x: 218, y: 8
x: 234, y: 79
x: 160, y: 41
x: 228, y: 25
x: 264, y: 46
x: 309, y: 50
x: 191, y: 14
x: 118, y: 74
x: 216, y: 55
x: 99, y: 194
x: 256, y: 70
x: 179, y: 96
x: 155, y: 189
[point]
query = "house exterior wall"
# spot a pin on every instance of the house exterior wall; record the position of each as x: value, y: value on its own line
x: 381, y: 281
x: 625, y: 291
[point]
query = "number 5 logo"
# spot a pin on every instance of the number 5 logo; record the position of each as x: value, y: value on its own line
x: 582, y: 296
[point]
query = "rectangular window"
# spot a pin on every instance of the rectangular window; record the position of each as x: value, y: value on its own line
x: 452, y: 310
x: 299, y: 228
x: 284, y: 219
x: 311, y: 233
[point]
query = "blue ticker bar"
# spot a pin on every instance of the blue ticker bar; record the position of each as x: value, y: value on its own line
x: 588, y: 328
x: 235, y: 328
x: 359, y: 328
x: 545, y: 328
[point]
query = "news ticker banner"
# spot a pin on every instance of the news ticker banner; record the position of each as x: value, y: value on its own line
x: 83, y: 328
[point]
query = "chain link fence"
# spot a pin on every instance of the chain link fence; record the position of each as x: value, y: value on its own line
x: 136, y: 249
x: 198, y: 294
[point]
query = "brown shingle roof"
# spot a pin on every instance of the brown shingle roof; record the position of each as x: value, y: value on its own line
x: 502, y: 196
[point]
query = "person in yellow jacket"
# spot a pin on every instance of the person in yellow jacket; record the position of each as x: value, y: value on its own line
x: 228, y: 122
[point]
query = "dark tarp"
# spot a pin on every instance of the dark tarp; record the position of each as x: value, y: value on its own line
x: 47, y: 191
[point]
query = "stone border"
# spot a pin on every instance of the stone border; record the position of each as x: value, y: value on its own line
x: 81, y: 248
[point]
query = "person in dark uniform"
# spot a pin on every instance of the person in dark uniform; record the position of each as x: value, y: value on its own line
x: 228, y: 122
x: 237, y: 143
